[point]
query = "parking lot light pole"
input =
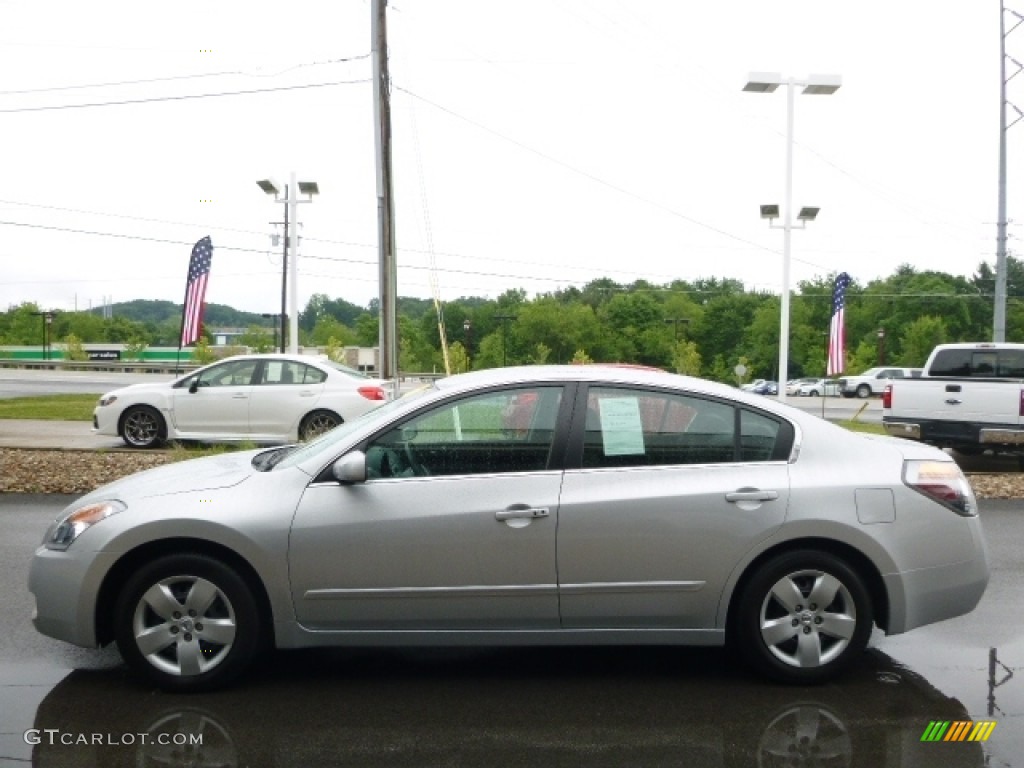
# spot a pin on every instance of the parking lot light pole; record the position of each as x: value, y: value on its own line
x: 815, y: 85
x: 290, y: 269
x: 504, y: 320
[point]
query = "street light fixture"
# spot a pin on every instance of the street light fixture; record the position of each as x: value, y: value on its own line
x: 814, y: 85
x: 881, y: 346
x: 291, y: 241
x: 276, y: 316
x: 47, y: 320
x: 504, y: 320
x: 468, y: 328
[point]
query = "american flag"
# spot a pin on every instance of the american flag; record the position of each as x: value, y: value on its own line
x: 195, y: 290
x: 837, y: 331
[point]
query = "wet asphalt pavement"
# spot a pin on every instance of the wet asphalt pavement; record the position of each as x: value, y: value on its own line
x: 636, y: 706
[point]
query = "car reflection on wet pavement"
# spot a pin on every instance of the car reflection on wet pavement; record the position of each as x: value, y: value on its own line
x: 598, y: 707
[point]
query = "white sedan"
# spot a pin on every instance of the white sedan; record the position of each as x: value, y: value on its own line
x: 817, y: 387
x: 267, y: 398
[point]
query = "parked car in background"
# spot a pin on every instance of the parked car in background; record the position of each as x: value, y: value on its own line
x: 766, y: 388
x: 539, y: 505
x: 793, y: 387
x: 751, y: 386
x: 873, y: 381
x: 819, y: 388
x: 264, y: 398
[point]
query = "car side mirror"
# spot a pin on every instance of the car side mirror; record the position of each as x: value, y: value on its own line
x: 350, y: 468
x: 194, y: 386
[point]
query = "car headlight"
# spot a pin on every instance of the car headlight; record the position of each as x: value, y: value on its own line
x: 69, y: 527
x: 108, y: 399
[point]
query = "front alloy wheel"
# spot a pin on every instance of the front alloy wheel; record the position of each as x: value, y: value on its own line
x: 187, y: 622
x: 804, y: 617
x: 142, y: 427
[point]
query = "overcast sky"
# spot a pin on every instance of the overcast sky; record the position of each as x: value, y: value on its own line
x: 538, y: 143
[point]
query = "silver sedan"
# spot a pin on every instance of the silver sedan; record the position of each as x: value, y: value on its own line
x: 539, y: 505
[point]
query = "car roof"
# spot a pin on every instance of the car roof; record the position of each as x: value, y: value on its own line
x: 596, y: 373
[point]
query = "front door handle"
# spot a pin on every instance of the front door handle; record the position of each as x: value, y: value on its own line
x: 953, y: 401
x: 751, y: 495
x: 520, y: 513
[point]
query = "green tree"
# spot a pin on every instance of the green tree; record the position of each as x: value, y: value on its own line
x: 686, y: 358
x: 457, y: 357
x: 920, y: 338
x: 136, y: 348
x: 540, y: 355
x: 258, y: 339
x: 73, y: 349
x: 201, y: 353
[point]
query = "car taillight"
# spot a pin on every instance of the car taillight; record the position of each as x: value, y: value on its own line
x: 887, y: 396
x: 1020, y: 411
x: 943, y: 482
x: 372, y: 393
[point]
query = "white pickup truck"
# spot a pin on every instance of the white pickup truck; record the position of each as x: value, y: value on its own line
x: 971, y: 398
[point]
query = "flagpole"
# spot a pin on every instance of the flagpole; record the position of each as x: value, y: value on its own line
x: 181, y: 330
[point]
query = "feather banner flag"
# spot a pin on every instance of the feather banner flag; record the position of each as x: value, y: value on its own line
x: 195, y: 291
x: 837, y: 330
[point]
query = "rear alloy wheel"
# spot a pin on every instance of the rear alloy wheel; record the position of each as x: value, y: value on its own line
x: 863, y: 391
x: 317, y: 423
x: 143, y: 427
x: 187, y: 622
x: 804, y: 617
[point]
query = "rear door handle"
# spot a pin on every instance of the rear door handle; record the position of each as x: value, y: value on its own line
x: 752, y: 495
x: 520, y: 513
x: 953, y: 401
x: 239, y: 396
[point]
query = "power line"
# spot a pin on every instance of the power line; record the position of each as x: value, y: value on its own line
x: 185, y: 97
x: 588, y: 175
x: 176, y: 78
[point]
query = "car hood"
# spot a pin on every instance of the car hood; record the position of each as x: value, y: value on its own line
x: 145, y: 386
x: 203, y: 474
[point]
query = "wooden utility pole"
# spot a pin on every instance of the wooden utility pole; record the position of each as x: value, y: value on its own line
x: 385, y: 195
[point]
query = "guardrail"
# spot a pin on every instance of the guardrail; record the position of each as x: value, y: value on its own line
x: 115, y: 366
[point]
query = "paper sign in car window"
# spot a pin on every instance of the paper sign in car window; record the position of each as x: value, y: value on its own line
x: 621, y: 428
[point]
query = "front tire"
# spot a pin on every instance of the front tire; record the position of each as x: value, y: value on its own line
x: 143, y: 427
x: 803, y: 618
x: 188, y: 623
x: 317, y: 423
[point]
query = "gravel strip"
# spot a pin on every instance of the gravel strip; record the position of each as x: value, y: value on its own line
x: 40, y: 471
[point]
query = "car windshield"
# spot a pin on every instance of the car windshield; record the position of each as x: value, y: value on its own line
x: 339, y: 434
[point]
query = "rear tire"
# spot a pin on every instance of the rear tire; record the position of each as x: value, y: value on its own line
x: 317, y: 423
x: 863, y: 391
x: 803, y: 618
